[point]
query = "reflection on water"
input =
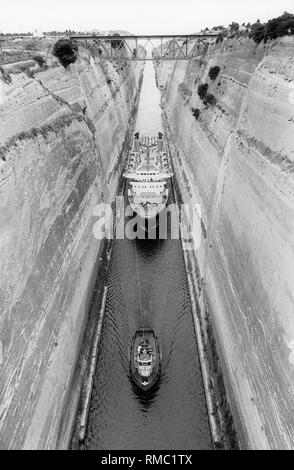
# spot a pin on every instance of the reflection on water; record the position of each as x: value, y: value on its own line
x: 145, y: 398
x: 173, y: 414
x: 149, y: 112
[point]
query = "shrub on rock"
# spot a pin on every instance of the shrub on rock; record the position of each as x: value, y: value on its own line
x: 39, y: 59
x: 202, y: 90
x: 66, y: 51
x: 116, y: 43
x: 196, y: 112
x: 213, y: 72
x: 258, y: 32
x: 209, y: 99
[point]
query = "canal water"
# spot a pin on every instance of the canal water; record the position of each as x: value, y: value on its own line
x: 149, y: 112
x: 173, y: 414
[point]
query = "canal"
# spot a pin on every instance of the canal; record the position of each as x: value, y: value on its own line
x: 173, y: 415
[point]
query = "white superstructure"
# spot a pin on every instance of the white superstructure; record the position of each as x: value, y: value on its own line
x: 148, y: 171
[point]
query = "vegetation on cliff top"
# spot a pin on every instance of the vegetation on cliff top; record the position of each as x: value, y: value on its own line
x: 116, y: 43
x: 281, y: 26
x: 276, y: 27
x: 66, y: 51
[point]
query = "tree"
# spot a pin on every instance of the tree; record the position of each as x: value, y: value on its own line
x: 202, y: 90
x: 234, y: 27
x: 66, y: 51
x: 209, y: 99
x: 220, y: 38
x: 213, y: 72
x: 196, y: 112
x: 258, y: 32
x: 281, y: 26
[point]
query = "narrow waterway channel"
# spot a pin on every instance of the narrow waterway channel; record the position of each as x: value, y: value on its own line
x: 173, y: 415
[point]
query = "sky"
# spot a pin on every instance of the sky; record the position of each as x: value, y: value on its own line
x: 135, y: 16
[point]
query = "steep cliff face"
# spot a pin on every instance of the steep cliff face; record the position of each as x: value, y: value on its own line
x: 62, y: 132
x: 236, y: 159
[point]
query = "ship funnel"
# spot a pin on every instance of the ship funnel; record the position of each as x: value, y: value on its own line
x: 160, y: 141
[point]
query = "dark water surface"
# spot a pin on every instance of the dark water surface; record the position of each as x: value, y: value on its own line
x: 173, y: 415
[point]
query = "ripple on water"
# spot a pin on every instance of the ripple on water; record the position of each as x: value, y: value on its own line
x: 173, y: 414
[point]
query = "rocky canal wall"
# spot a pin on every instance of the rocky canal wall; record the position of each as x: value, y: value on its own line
x: 233, y: 153
x: 61, y: 136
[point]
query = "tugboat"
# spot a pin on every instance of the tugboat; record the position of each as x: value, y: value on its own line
x: 145, y: 358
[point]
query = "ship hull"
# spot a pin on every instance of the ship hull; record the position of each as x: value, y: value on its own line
x: 146, y: 220
x: 148, y: 216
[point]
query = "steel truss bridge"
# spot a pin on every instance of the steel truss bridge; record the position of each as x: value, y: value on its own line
x: 164, y: 47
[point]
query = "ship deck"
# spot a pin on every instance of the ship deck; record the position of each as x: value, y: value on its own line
x: 148, y: 159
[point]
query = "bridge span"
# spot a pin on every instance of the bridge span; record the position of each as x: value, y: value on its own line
x: 131, y: 47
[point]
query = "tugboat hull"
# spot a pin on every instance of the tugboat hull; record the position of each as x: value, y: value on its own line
x: 145, y: 358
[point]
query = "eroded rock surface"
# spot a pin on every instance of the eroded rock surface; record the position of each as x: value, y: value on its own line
x: 61, y: 135
x: 236, y: 159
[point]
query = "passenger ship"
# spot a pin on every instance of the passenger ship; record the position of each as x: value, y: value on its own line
x: 148, y: 172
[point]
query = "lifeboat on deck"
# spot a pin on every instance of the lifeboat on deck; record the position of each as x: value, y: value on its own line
x: 145, y: 358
